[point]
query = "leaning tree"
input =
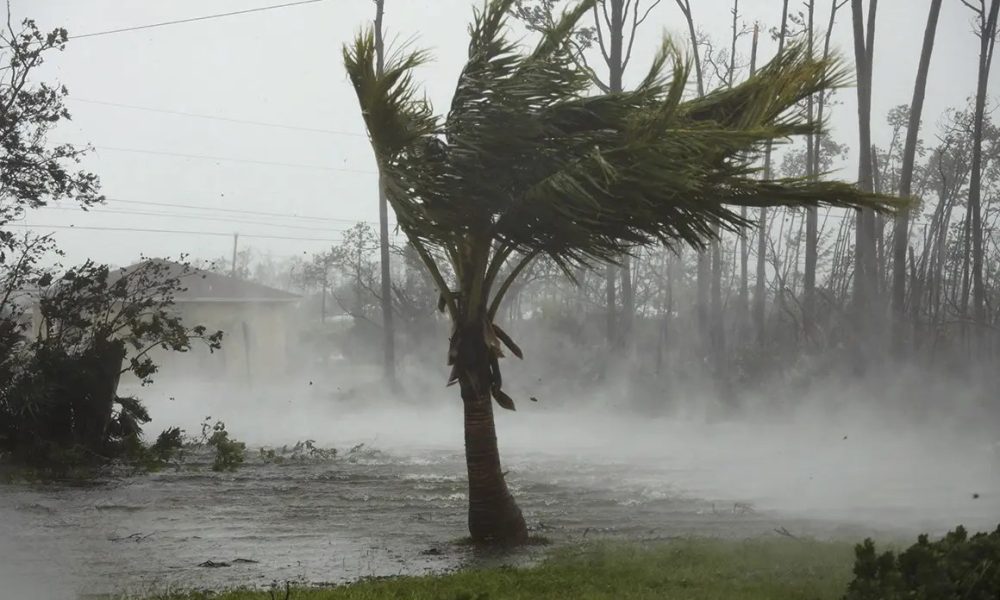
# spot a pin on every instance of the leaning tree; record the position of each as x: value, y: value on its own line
x: 529, y: 162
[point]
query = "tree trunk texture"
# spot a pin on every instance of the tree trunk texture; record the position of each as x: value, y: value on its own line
x: 628, y: 303
x: 717, y: 329
x: 93, y: 400
x: 494, y: 517
x: 610, y: 290
x: 865, y: 276
x: 901, y: 229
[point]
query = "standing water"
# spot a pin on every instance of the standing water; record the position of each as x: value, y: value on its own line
x: 393, y: 499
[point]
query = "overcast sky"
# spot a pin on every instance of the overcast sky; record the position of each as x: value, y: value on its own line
x: 284, y: 67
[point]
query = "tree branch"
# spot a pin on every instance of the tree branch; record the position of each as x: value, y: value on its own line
x: 636, y: 22
x: 500, y: 293
x: 600, y: 36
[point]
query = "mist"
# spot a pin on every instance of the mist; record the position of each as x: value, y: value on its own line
x: 553, y: 336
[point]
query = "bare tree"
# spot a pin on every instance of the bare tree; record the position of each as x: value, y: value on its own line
x: 616, y: 24
x: 865, y: 275
x: 813, y: 170
x: 620, y: 27
x: 744, y: 294
x: 760, y: 285
x: 812, y: 220
x: 704, y: 258
x: 901, y: 233
x: 986, y: 30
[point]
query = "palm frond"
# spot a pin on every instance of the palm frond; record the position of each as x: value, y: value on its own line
x: 530, y: 157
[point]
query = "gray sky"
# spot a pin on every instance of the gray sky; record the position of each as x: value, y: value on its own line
x: 284, y: 67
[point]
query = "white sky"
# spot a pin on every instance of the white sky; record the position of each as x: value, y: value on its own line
x: 284, y: 66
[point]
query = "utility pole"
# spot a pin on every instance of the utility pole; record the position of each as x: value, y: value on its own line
x: 236, y: 241
x: 389, y: 342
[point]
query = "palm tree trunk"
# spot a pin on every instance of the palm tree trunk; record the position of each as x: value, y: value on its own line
x: 494, y: 517
x: 902, y: 226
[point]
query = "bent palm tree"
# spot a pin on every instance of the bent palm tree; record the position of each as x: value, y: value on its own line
x: 528, y: 163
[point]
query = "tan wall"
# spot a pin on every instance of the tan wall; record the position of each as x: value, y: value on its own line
x: 254, y: 343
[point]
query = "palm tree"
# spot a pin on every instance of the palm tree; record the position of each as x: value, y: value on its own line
x: 529, y: 163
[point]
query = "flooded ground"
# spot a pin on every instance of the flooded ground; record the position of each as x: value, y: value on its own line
x: 397, y: 503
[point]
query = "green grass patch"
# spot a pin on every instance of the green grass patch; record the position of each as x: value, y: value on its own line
x: 773, y: 569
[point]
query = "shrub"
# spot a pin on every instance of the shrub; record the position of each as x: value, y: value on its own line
x: 168, y: 444
x: 228, y: 452
x: 952, y: 568
x: 302, y: 451
x: 58, y: 389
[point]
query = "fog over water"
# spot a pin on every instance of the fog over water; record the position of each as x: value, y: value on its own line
x: 582, y: 468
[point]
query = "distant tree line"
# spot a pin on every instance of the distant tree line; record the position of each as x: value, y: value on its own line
x: 811, y: 289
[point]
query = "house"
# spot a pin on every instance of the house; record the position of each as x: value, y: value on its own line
x: 256, y: 321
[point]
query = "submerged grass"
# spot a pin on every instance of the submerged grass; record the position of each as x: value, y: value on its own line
x: 774, y: 569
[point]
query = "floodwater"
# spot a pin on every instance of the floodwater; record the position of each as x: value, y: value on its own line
x: 396, y: 504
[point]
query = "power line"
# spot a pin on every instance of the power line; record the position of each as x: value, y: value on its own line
x: 193, y: 19
x: 239, y: 211
x: 235, y: 160
x: 217, y: 118
x: 189, y: 216
x: 176, y: 231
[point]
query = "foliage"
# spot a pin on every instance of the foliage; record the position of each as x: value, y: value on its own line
x: 32, y: 173
x: 529, y: 163
x: 91, y: 304
x: 229, y: 453
x: 955, y: 567
x: 58, y: 400
x: 775, y: 569
x: 539, y: 15
x: 60, y: 387
x: 302, y: 451
x: 168, y: 444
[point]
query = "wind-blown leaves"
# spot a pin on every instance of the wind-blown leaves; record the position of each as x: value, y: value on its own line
x: 529, y: 160
x: 529, y: 156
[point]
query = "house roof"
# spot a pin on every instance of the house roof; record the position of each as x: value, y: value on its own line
x: 207, y: 286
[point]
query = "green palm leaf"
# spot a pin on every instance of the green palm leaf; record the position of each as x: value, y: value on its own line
x: 530, y: 161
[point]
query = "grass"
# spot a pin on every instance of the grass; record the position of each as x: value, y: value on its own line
x: 774, y: 569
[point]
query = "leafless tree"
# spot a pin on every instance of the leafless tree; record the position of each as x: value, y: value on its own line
x: 901, y: 233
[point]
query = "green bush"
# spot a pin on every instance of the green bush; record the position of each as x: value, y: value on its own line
x: 952, y: 568
x: 229, y: 453
x: 168, y: 443
x: 302, y: 451
x: 59, y: 397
